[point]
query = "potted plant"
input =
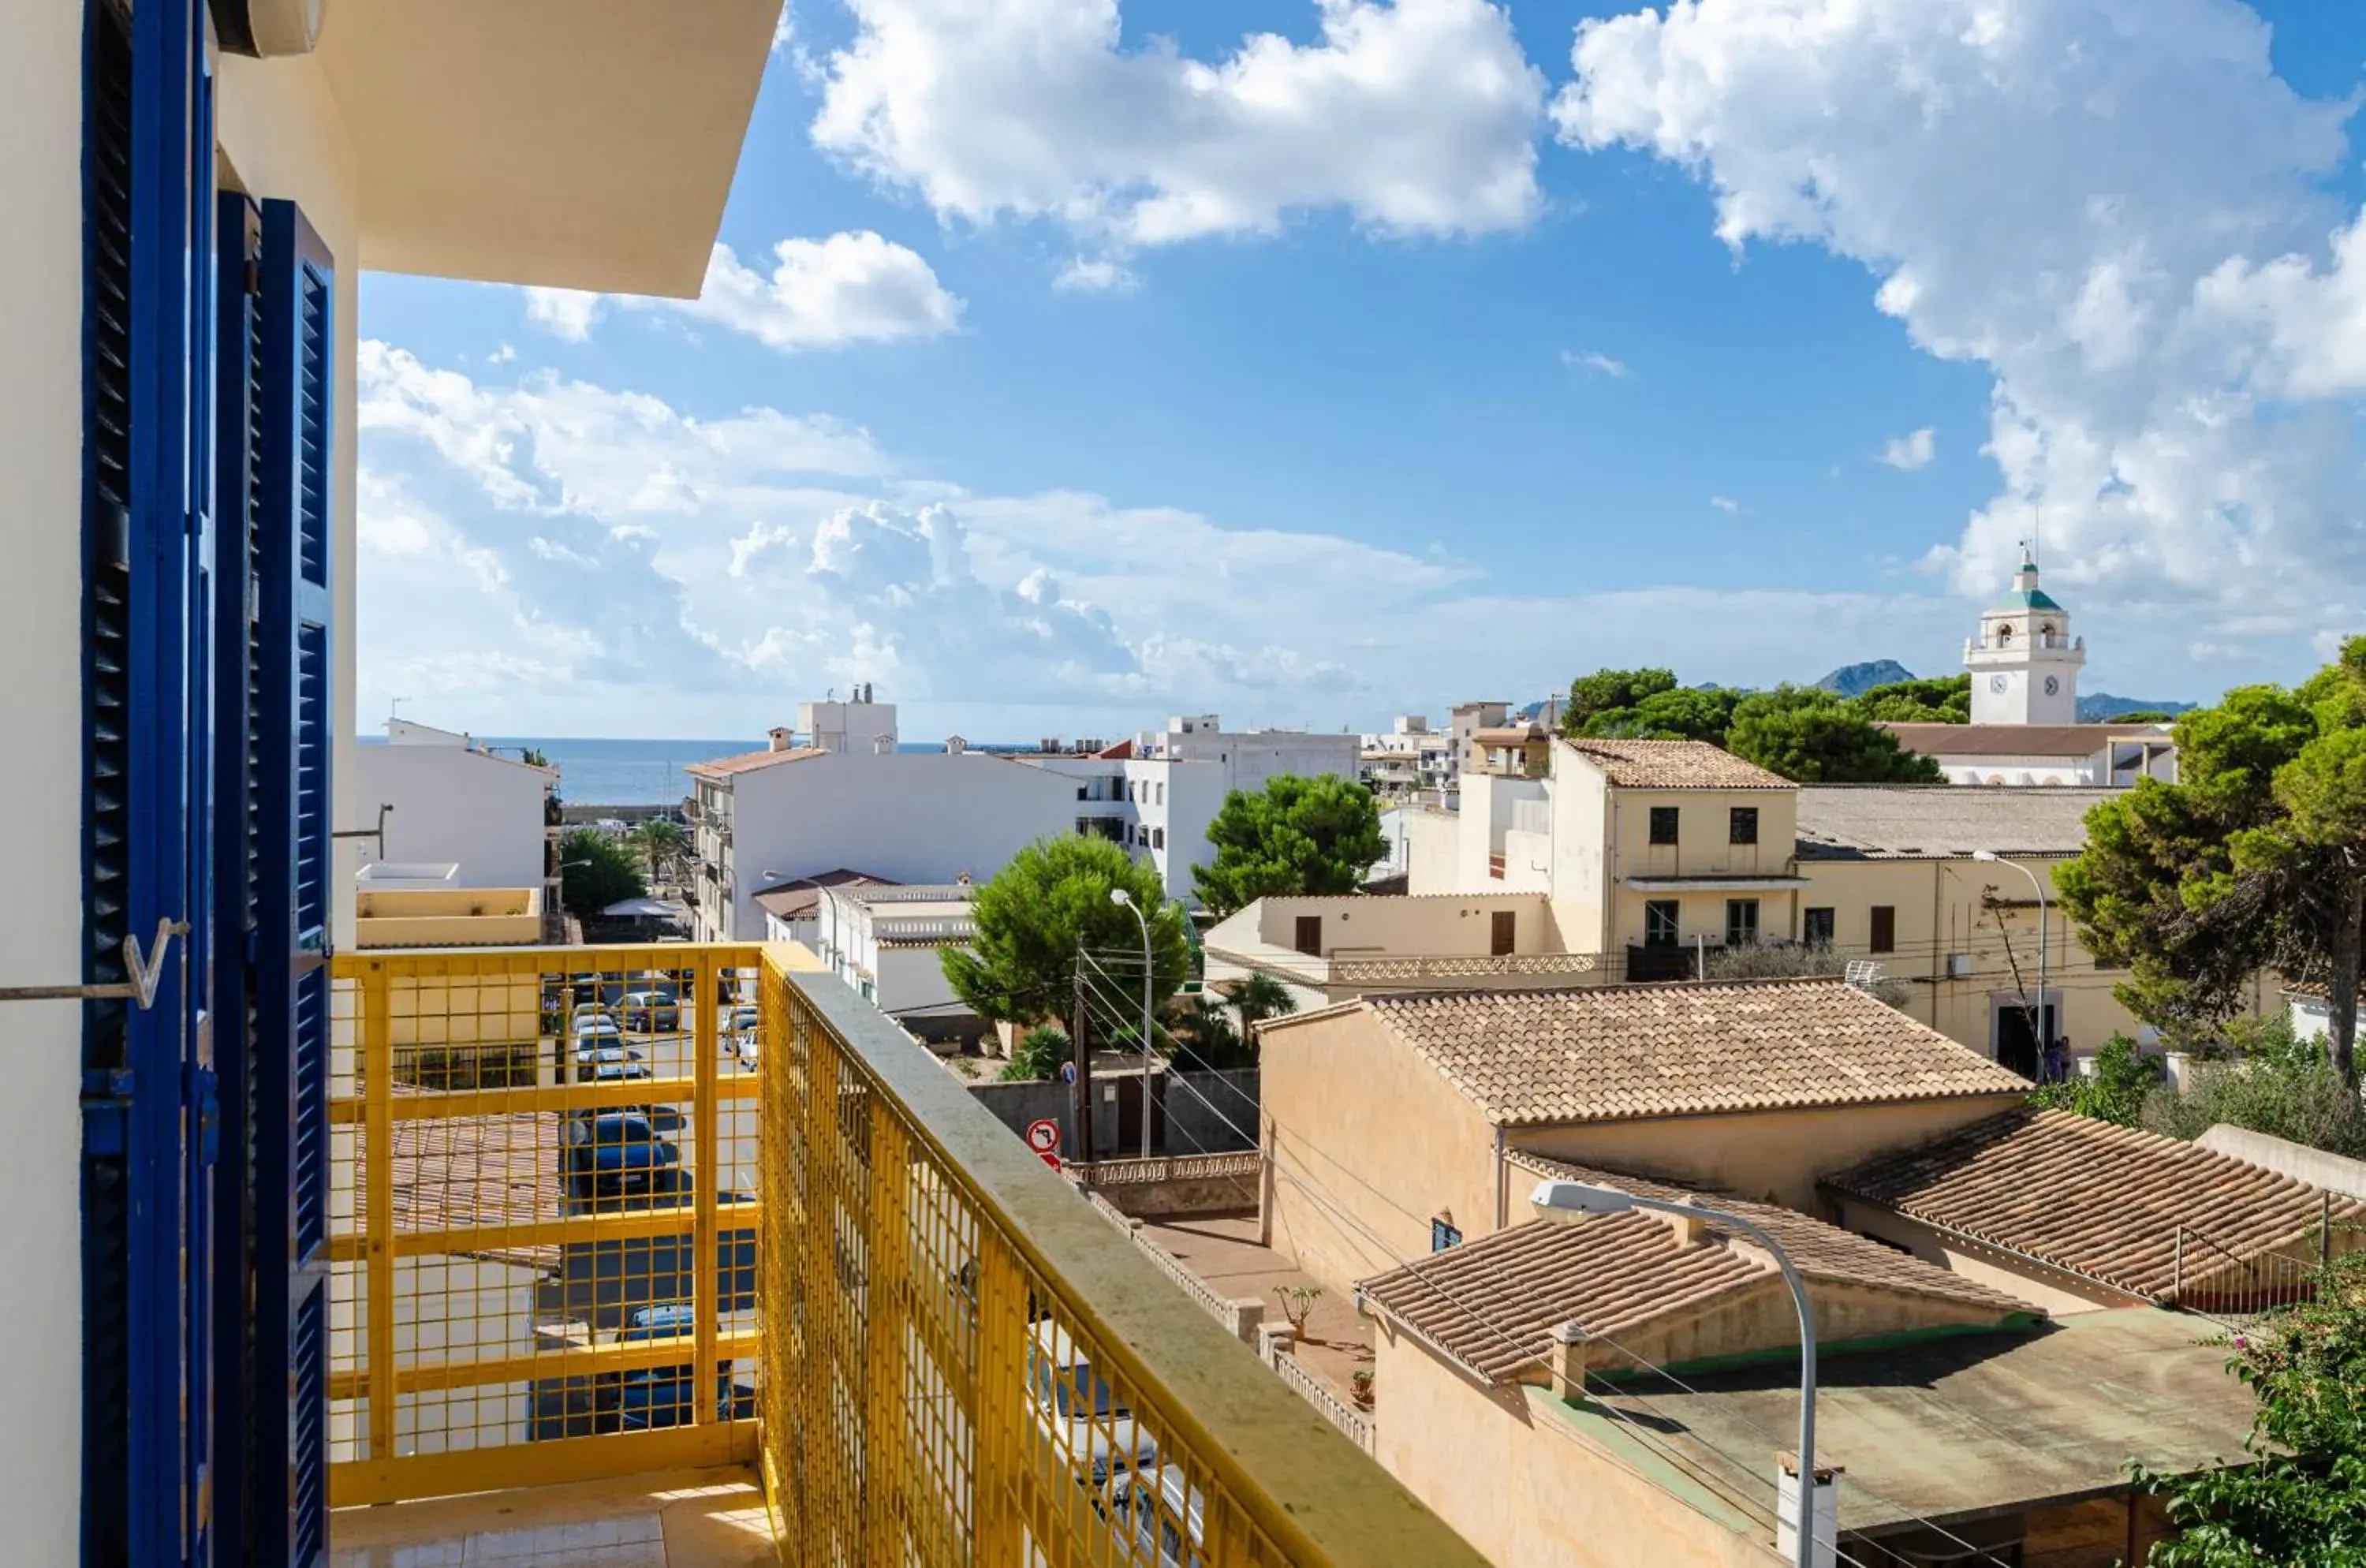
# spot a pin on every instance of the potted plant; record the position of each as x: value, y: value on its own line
x: 1360, y: 1385
x: 1297, y: 1306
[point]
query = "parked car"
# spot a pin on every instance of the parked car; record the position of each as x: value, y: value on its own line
x: 611, y: 1152
x: 618, y: 1069
x: 743, y: 1026
x: 595, y: 1026
x: 1159, y: 1513
x: 652, y: 1397
x: 1090, y: 1429
x: 652, y: 1011
x: 609, y: 1049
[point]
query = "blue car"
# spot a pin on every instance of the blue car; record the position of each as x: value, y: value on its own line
x: 616, y: 1151
x: 651, y: 1397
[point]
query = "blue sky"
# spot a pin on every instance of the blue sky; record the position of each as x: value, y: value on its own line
x: 1411, y: 351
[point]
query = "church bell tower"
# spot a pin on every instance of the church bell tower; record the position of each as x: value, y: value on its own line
x: 2025, y: 663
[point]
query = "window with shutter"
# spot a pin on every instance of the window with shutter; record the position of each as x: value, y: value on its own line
x: 1884, y: 929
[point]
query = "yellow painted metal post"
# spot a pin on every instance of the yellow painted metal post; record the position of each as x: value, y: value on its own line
x: 377, y: 1203
x: 707, y: 996
x: 1002, y: 1456
x: 886, y: 1328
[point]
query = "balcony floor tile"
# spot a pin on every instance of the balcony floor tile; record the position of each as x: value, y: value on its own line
x: 683, y: 1520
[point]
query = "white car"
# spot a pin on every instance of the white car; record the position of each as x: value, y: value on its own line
x: 597, y: 1029
x: 1086, y: 1420
x: 1158, y: 1513
x: 741, y: 1028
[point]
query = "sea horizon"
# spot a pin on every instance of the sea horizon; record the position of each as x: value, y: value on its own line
x: 613, y: 771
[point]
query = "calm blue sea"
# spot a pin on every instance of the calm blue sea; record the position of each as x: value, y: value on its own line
x: 630, y: 772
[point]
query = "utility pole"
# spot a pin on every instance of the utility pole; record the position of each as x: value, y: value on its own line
x: 1083, y: 1100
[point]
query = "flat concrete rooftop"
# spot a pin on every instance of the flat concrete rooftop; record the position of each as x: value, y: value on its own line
x: 1944, y: 1429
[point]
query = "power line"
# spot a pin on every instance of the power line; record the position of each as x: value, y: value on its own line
x: 1326, y: 1203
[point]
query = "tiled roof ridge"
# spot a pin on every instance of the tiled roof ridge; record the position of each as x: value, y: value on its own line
x: 2126, y: 1237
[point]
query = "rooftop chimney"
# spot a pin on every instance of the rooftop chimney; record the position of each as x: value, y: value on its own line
x: 783, y: 738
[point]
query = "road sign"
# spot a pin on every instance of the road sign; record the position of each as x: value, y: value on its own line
x: 1048, y: 1158
x: 1043, y: 1136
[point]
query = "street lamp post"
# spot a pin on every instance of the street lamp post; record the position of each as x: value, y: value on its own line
x: 1580, y: 1197
x: 1119, y: 896
x: 2040, y: 1021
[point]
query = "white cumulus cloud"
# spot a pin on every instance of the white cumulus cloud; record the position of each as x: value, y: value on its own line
x: 853, y: 287
x: 1912, y: 451
x: 1600, y: 364
x: 1414, y: 116
x: 2116, y: 207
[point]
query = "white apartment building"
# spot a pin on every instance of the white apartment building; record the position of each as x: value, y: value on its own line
x: 1408, y: 758
x: 442, y: 799
x: 862, y: 723
x: 1250, y: 757
x: 889, y: 943
x: 768, y: 818
x: 1158, y: 810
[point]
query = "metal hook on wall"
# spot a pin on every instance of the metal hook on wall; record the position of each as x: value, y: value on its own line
x: 147, y: 972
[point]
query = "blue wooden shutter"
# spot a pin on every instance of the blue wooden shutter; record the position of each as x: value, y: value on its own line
x: 249, y: 1479
x: 296, y: 400
x: 147, y: 1421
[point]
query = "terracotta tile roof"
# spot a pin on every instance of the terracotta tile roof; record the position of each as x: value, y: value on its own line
x: 1942, y: 821
x: 454, y: 1172
x: 2018, y: 739
x: 1675, y: 765
x: 747, y: 762
x: 1818, y: 1250
x: 1617, y: 1052
x: 1493, y: 1303
x: 792, y: 900
x: 2092, y: 1199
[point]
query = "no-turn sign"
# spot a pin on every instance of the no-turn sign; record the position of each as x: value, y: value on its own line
x: 1043, y: 1136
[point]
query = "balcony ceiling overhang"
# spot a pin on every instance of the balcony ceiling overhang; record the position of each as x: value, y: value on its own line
x: 572, y: 143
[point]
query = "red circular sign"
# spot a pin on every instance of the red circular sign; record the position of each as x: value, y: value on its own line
x: 1043, y: 1135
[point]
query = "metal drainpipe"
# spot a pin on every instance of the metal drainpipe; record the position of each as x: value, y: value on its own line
x: 1500, y: 1197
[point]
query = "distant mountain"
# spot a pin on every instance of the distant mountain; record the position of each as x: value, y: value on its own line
x: 2100, y: 706
x: 1850, y: 679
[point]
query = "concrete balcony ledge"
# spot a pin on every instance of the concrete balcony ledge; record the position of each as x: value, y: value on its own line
x: 696, y: 1518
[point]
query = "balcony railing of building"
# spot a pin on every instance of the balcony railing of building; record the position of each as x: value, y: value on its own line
x: 608, y: 1211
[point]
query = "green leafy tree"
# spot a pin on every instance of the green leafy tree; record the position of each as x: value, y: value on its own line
x: 1038, y: 1054
x: 2267, y: 1079
x: 2144, y: 716
x: 1261, y: 997
x: 1049, y: 904
x: 2254, y: 859
x: 2116, y: 1091
x: 1295, y: 835
x: 1205, y: 1037
x: 1606, y: 690
x: 1947, y: 701
x: 1814, y: 737
x: 2300, y: 1501
x: 596, y: 871
x: 1684, y: 713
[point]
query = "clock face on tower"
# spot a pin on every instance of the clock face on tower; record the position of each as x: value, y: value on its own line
x: 1996, y: 684
x: 2053, y: 685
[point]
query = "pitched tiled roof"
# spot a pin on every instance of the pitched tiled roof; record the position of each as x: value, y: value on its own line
x: 454, y: 1173
x: 1493, y: 1304
x: 792, y: 900
x: 1675, y: 765
x: 2095, y: 1200
x: 747, y: 762
x: 1820, y: 1251
x: 2018, y: 740
x: 1942, y: 821
x: 1617, y: 1052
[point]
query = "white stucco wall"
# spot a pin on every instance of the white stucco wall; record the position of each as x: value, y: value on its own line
x: 1166, y: 807
x: 40, y: 638
x: 454, y: 804
x: 911, y: 816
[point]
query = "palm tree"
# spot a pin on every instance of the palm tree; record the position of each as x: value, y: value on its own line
x: 1258, y: 997
x: 661, y: 844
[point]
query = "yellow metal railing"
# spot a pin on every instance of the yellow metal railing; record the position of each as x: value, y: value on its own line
x: 543, y: 1225
x: 806, y: 1248
x: 962, y: 1364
